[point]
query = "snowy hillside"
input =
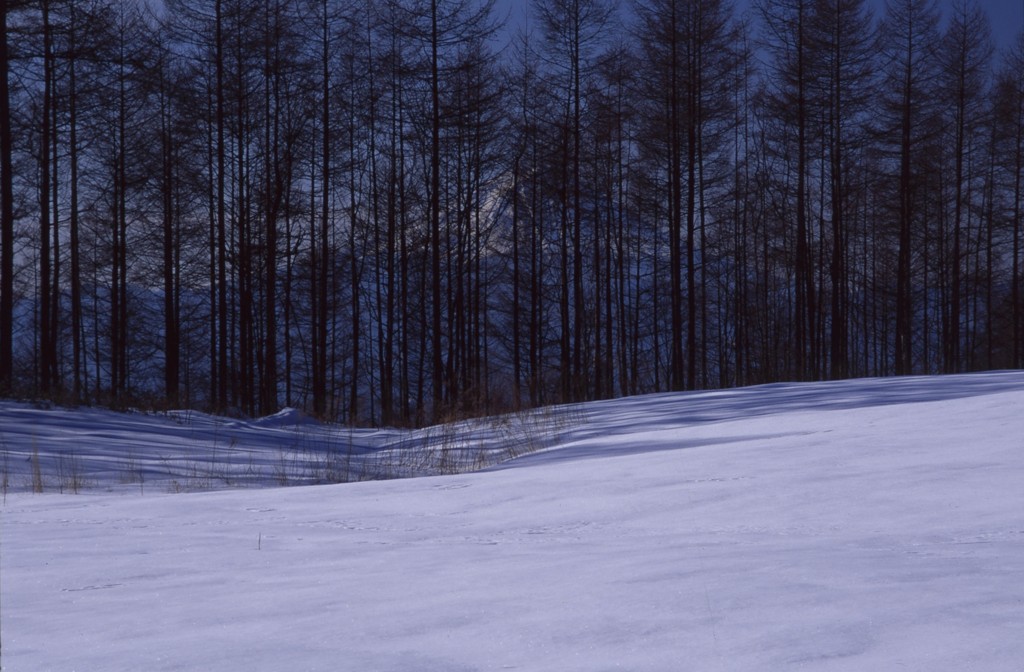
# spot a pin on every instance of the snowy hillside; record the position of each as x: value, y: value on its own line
x: 861, y: 525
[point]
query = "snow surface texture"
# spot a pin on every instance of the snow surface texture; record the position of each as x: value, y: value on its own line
x: 861, y: 525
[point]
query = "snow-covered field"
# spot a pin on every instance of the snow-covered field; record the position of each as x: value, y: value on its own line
x: 861, y: 525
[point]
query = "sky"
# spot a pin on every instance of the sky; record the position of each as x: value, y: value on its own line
x: 1007, y: 20
x: 1007, y: 16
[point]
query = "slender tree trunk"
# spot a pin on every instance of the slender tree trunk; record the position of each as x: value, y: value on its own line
x: 516, y: 320
x: 578, y: 374
x: 838, y: 342
x: 692, y: 120
x: 172, y: 348
x: 903, y: 363
x: 437, y: 369
x: 121, y: 229
x: 952, y: 349
x: 274, y: 187
x: 321, y: 253
x: 222, y: 242
x: 804, y: 271
x: 990, y: 226
x: 387, y: 306
x: 6, y: 216
x: 77, y: 334
x: 405, y: 272
x: 677, y: 378
x: 45, y: 315
x: 287, y: 310
x: 565, y: 286
x: 1018, y: 174
x: 212, y: 207
x: 536, y: 269
x: 55, y: 294
x: 608, y: 364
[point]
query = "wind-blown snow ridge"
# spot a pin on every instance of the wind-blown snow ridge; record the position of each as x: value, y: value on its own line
x: 87, y: 449
x: 857, y: 525
x: 93, y: 449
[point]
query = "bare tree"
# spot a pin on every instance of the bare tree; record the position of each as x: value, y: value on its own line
x: 908, y: 40
x: 843, y: 37
x: 6, y: 212
x: 967, y: 52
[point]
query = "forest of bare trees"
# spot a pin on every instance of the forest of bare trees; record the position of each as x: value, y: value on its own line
x: 392, y: 212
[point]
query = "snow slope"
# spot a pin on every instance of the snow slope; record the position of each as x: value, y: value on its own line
x: 861, y: 525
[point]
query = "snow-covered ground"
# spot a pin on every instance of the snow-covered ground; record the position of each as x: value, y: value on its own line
x: 861, y: 525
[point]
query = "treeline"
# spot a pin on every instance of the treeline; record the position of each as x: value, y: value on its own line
x: 381, y: 212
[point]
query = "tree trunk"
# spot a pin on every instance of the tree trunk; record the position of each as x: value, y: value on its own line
x: 6, y: 217
x: 437, y: 369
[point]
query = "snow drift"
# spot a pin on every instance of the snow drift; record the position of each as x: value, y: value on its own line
x: 854, y: 525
